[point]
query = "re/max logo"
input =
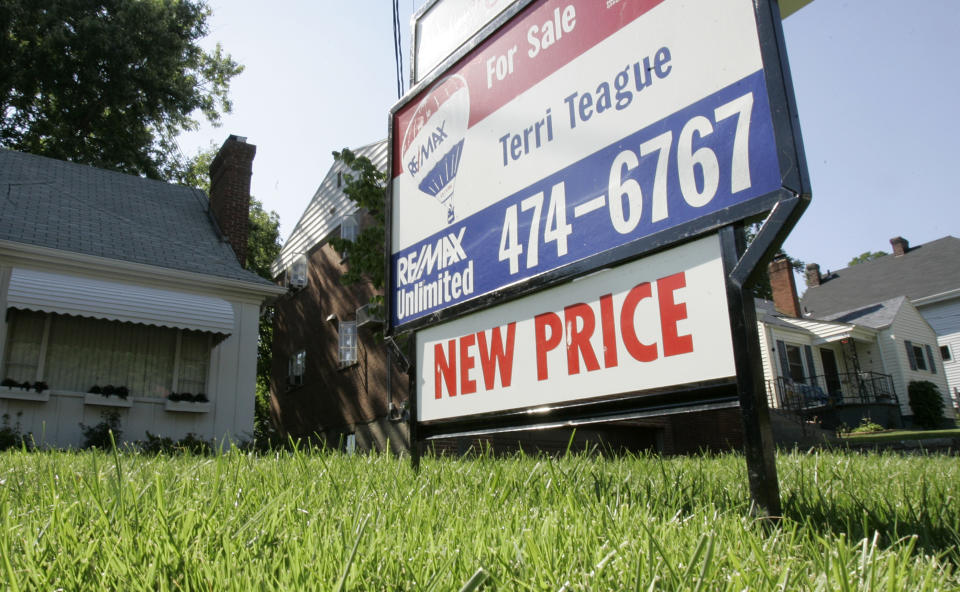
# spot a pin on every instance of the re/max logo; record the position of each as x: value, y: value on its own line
x: 427, y: 148
x: 447, y: 250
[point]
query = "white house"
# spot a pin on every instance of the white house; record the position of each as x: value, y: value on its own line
x: 127, y: 294
x: 928, y: 275
x: 849, y: 364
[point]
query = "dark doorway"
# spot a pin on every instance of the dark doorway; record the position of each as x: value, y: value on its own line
x: 830, y: 372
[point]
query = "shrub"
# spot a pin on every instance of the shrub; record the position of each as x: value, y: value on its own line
x: 10, y: 436
x: 926, y: 404
x: 191, y: 443
x: 98, y: 436
x: 867, y: 426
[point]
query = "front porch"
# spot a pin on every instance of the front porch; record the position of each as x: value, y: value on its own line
x: 838, y: 399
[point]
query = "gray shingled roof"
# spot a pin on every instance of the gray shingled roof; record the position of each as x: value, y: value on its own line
x: 877, y: 315
x: 924, y: 270
x: 82, y: 209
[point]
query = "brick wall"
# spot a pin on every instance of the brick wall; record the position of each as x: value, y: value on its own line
x: 230, y: 174
x: 784, y: 287
x: 333, y: 401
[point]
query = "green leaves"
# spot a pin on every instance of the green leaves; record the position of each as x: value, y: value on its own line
x: 110, y: 83
x: 864, y: 257
x: 366, y: 186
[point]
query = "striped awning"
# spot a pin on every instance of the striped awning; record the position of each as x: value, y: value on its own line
x: 99, y: 299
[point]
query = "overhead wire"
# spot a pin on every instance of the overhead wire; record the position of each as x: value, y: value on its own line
x: 397, y: 49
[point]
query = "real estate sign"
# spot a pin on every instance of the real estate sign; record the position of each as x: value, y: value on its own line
x: 648, y: 324
x: 443, y: 26
x: 579, y: 128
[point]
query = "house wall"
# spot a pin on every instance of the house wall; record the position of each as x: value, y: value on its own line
x: 766, y: 356
x: 769, y: 335
x: 868, y: 356
x: 909, y: 325
x: 944, y: 317
x: 333, y: 402
x: 231, y: 379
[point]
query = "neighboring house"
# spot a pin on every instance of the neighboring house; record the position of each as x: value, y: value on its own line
x: 112, y: 280
x: 847, y: 365
x: 332, y: 378
x: 928, y: 275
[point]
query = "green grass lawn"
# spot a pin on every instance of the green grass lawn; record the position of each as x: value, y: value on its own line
x: 899, y: 435
x: 323, y: 521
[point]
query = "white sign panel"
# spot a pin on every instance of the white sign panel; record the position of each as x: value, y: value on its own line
x: 578, y: 127
x: 447, y: 25
x: 653, y: 323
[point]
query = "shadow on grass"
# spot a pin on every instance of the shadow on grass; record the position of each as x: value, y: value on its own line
x: 931, y: 517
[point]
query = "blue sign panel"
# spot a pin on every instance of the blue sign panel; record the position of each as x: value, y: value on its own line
x: 715, y: 153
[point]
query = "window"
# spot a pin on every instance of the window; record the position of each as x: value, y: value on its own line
x: 296, y: 368
x: 348, y: 343
x: 918, y: 357
x: 193, y: 361
x: 75, y: 353
x: 25, y: 337
x: 348, y: 228
x: 945, y: 353
x: 795, y: 361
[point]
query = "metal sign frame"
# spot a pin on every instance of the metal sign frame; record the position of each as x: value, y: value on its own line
x: 790, y: 159
x: 742, y: 264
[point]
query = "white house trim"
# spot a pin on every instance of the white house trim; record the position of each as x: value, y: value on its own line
x: 44, y: 258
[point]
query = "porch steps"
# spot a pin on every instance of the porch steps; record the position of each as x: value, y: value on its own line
x: 789, y: 431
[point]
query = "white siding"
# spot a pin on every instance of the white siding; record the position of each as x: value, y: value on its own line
x: 4, y: 285
x: 944, y: 317
x: 765, y: 357
x: 770, y: 334
x: 325, y: 210
x: 909, y: 325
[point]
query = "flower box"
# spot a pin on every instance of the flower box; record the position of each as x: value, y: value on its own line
x: 100, y: 400
x: 187, y: 406
x: 19, y: 394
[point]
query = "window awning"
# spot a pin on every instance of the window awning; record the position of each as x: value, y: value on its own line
x: 99, y: 299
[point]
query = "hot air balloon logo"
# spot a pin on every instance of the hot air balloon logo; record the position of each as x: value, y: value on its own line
x: 433, y: 140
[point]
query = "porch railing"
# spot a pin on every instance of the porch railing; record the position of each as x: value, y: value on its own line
x: 831, y: 391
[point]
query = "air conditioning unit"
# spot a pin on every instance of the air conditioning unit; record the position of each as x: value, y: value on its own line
x: 368, y: 315
x: 297, y: 274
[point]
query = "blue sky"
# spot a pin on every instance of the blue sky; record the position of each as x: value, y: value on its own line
x: 875, y: 80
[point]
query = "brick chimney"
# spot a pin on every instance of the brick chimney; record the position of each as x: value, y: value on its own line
x: 230, y: 174
x: 813, y: 275
x: 783, y: 286
x: 900, y: 245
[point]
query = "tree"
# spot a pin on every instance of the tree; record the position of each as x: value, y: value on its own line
x: 263, y: 246
x: 762, y: 288
x: 109, y: 83
x: 864, y: 257
x: 366, y: 186
x: 926, y: 403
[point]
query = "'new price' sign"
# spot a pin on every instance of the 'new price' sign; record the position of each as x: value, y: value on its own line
x: 633, y: 328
